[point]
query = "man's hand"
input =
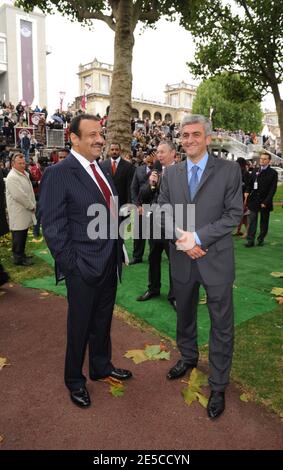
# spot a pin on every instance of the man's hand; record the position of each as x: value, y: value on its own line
x: 153, y: 178
x: 196, y: 252
x: 140, y: 210
x: 263, y: 206
x: 186, y: 241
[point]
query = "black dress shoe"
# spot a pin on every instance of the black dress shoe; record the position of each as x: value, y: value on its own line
x: 147, y: 296
x: 135, y: 261
x: 173, y: 303
x: 116, y: 373
x: 179, y: 369
x: 120, y: 374
x: 216, y: 404
x: 24, y: 262
x: 81, y: 397
x: 249, y: 244
x: 260, y: 243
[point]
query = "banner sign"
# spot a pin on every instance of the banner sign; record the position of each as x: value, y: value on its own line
x: 34, y: 118
x: 19, y: 133
x: 27, y: 61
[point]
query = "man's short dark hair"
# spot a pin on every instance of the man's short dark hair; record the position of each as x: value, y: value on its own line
x: 116, y: 143
x: 75, y: 123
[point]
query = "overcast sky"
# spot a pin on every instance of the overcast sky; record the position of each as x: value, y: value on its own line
x: 159, y: 57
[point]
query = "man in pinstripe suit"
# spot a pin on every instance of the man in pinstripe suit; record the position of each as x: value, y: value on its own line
x: 90, y: 266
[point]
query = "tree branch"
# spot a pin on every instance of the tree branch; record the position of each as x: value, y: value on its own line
x: 84, y: 14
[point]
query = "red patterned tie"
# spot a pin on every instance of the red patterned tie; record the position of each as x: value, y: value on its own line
x: 102, y: 185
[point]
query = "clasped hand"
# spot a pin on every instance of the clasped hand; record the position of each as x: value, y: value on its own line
x: 188, y: 244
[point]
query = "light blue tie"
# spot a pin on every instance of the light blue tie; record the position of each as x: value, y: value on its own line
x: 194, y: 181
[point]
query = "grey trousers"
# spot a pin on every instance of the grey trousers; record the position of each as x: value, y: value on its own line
x: 221, y: 338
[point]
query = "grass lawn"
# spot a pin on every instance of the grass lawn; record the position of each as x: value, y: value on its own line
x: 257, y: 363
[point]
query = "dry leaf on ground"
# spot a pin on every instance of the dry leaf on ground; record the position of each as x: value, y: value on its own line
x: 276, y: 274
x: 3, y: 362
x: 278, y: 291
x: 245, y: 397
x: 152, y: 352
x: 193, y: 390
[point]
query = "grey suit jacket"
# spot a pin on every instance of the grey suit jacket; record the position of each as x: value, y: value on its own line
x: 218, y: 209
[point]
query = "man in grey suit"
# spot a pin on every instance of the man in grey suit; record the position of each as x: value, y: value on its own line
x: 201, y: 252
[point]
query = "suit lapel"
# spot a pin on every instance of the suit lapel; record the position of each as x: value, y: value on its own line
x: 84, y: 178
x: 182, y: 169
x: 207, y: 172
x: 184, y: 176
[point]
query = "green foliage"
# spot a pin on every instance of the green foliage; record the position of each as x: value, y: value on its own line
x: 243, y: 36
x: 233, y: 102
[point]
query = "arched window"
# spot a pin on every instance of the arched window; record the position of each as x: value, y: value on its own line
x: 146, y: 114
x: 157, y: 116
x: 168, y: 117
x: 135, y: 113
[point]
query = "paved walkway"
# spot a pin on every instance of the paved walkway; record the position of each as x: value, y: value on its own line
x: 36, y: 412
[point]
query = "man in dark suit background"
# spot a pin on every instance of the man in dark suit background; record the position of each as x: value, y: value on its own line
x: 141, y: 175
x: 204, y: 252
x: 121, y: 172
x: 89, y: 264
x: 260, y: 192
x: 149, y: 192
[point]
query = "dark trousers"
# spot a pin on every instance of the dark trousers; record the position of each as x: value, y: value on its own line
x: 156, y: 249
x: 221, y: 338
x: 264, y: 222
x: 19, y: 238
x: 90, y: 309
x: 36, y: 227
x: 4, y: 277
x: 139, y: 243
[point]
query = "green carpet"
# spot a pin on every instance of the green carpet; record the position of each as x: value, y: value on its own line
x: 251, y: 289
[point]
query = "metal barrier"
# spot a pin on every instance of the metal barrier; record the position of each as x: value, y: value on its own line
x: 55, y: 138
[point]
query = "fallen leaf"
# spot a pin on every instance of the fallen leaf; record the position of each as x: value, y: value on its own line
x: 189, y: 395
x: 203, y: 300
x: 203, y: 400
x: 43, y: 252
x: 154, y: 352
x: 278, y: 291
x: 1, y: 438
x: 3, y: 362
x: 279, y: 300
x: 117, y: 390
x: 2, y: 292
x: 197, y: 379
x: 36, y: 240
x: 276, y: 274
x: 44, y: 294
x: 193, y: 390
x: 137, y: 355
x: 245, y: 397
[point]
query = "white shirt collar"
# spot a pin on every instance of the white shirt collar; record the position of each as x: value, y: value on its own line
x: 83, y: 161
x: 117, y: 161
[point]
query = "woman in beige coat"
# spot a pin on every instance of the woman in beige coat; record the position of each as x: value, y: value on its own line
x: 21, y: 208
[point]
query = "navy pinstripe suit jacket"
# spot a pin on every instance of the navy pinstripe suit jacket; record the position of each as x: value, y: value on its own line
x: 66, y: 193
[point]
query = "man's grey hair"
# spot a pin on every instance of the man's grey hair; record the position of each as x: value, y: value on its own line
x: 170, y: 144
x: 198, y: 119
